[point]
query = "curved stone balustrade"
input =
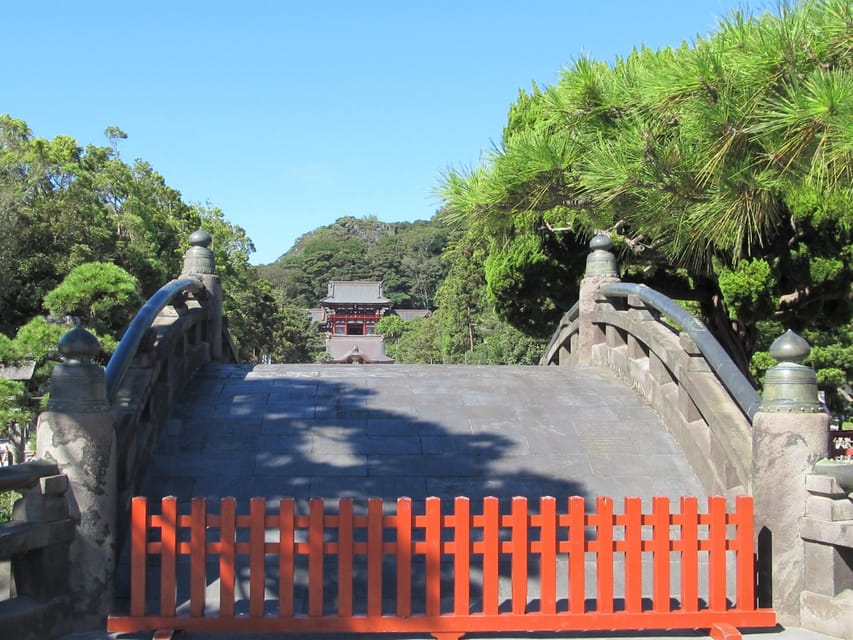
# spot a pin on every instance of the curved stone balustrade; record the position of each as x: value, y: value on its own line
x: 167, y: 342
x: 93, y: 443
x: 664, y: 364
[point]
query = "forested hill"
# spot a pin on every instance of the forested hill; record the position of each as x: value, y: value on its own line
x: 405, y: 256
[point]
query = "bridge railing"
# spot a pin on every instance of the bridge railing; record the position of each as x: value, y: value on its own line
x: 93, y: 444
x: 166, y: 343
x: 773, y: 446
x: 672, y: 360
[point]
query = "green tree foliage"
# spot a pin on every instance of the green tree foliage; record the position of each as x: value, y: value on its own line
x: 723, y: 170
x: 391, y: 328
x: 62, y: 206
x: 103, y: 295
x: 405, y: 256
x: 13, y: 415
x: 417, y: 344
x: 38, y: 342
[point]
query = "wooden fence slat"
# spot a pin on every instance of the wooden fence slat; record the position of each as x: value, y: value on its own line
x: 491, y: 555
x: 257, y: 534
x: 519, y: 555
x: 198, y: 556
x: 404, y: 557
x: 227, y: 555
x: 316, y: 533
x: 286, y: 551
x: 604, y: 554
x: 689, y: 542
x: 504, y: 538
x: 168, y: 554
x: 633, y: 530
x: 745, y: 567
x: 717, y: 553
x: 660, y: 554
x: 462, y: 557
x: 432, y: 532
x: 548, y: 555
x: 374, y: 557
x: 345, y: 556
x: 577, y: 554
x: 138, y: 554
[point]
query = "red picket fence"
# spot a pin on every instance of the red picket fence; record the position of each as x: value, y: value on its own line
x: 442, y: 573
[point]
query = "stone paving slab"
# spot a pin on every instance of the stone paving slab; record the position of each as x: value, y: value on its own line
x: 460, y: 428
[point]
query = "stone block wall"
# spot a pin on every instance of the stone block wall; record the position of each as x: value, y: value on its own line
x: 827, y: 530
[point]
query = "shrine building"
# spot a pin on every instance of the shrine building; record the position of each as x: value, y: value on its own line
x: 348, y: 316
x: 352, y: 308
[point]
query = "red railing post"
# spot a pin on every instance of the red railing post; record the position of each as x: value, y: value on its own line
x: 633, y: 546
x: 661, y: 554
x: 345, y: 556
x: 519, y: 555
x: 462, y: 557
x: 404, y: 557
x: 604, y: 554
x: 316, y: 533
x: 138, y: 554
x: 286, y: 553
x: 548, y: 555
x: 374, y: 557
x: 745, y: 564
x: 432, y: 531
x: 227, y: 555
x: 577, y: 554
x: 168, y: 555
x: 491, y: 555
x: 198, y: 556
x: 717, y: 553
x: 257, y: 541
x: 689, y: 547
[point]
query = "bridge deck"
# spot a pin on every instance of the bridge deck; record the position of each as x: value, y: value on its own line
x: 360, y: 431
x: 387, y: 431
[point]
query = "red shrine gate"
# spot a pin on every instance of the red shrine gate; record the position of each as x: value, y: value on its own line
x: 426, y: 571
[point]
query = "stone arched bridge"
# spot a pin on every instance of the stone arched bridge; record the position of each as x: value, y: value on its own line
x: 636, y: 406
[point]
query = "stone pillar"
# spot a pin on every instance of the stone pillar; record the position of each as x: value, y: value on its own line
x: 600, y: 269
x: 789, y: 435
x: 78, y: 433
x: 199, y: 263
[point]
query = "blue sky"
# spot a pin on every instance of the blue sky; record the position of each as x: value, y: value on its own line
x: 289, y: 115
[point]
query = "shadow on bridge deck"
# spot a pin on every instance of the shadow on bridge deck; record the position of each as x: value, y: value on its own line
x: 305, y: 431
x: 332, y: 431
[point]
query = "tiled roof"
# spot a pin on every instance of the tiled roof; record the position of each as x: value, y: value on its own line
x: 355, y: 291
x: 412, y: 314
x: 317, y: 315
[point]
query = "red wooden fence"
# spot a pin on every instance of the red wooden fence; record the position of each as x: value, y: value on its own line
x: 324, y: 572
